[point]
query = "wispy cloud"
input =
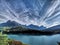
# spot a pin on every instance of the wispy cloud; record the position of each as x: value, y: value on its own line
x: 36, y: 12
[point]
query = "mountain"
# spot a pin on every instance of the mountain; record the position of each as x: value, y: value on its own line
x: 13, y: 23
x: 9, y: 23
x: 31, y: 29
x: 54, y: 28
x: 36, y: 27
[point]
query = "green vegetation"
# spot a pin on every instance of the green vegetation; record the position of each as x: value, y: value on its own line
x: 4, y: 28
x: 16, y: 28
x: 21, y: 28
x: 3, y: 39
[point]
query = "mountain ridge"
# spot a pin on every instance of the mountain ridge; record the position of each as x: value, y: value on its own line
x: 13, y: 23
x: 31, y: 26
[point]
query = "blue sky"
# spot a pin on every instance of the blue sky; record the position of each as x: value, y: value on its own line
x: 26, y: 12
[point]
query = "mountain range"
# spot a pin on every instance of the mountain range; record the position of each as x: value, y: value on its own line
x: 54, y: 28
x: 30, y: 29
x: 13, y: 23
x: 36, y: 27
x: 9, y: 24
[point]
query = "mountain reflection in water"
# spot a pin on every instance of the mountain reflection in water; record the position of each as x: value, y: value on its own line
x: 37, y: 40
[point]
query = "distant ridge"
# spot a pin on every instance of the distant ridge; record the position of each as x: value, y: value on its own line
x: 9, y: 23
x: 36, y: 27
x: 57, y: 27
x: 13, y: 23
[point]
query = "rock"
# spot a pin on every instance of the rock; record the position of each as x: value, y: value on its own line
x: 15, y: 43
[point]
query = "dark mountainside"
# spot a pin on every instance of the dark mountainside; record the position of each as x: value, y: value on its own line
x: 13, y: 24
x: 31, y: 29
x: 27, y: 31
x: 36, y: 27
x: 9, y: 24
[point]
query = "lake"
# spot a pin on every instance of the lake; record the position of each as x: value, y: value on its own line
x: 37, y: 40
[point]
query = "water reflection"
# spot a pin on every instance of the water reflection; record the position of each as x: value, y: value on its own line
x: 37, y: 40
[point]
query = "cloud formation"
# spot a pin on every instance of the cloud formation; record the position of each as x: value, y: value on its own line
x: 36, y: 12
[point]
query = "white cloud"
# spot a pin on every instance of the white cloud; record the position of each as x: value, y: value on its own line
x: 24, y: 17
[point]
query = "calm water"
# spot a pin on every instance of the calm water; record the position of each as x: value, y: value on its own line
x: 37, y: 40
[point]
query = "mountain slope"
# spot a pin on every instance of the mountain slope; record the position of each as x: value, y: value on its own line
x: 54, y: 28
x: 36, y: 27
x: 9, y: 23
x: 13, y: 23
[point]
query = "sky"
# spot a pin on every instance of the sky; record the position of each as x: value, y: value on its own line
x: 37, y: 12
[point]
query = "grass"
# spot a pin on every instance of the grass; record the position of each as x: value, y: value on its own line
x: 3, y: 39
